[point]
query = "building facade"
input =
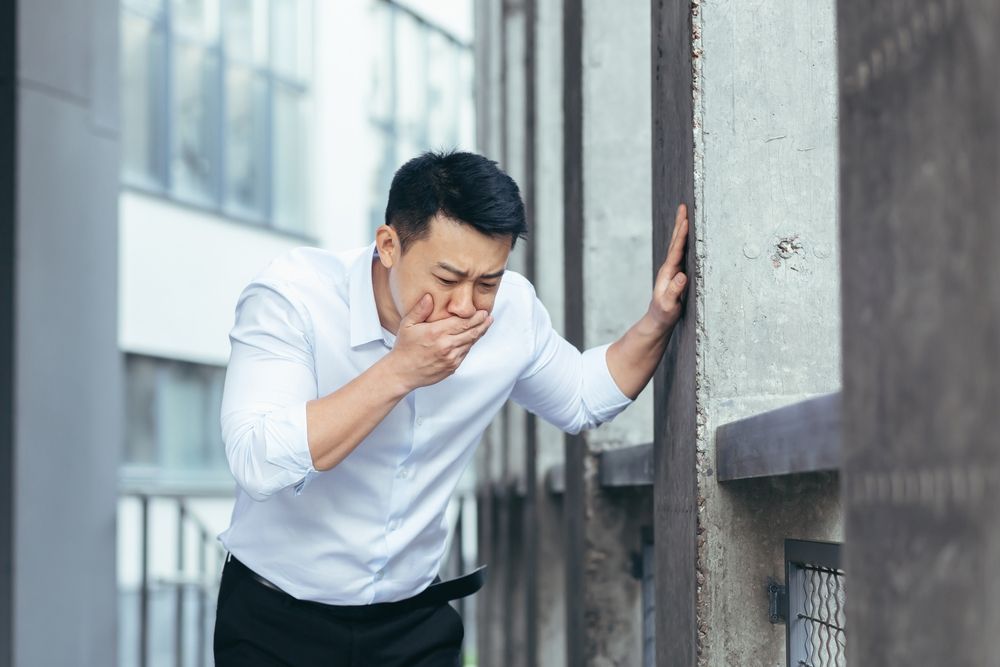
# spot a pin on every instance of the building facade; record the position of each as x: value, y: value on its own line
x: 248, y: 127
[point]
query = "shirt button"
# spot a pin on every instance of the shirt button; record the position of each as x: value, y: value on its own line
x: 378, y: 576
x: 403, y: 473
x: 393, y: 525
x: 420, y: 421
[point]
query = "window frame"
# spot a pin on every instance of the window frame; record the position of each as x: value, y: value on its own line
x: 161, y: 183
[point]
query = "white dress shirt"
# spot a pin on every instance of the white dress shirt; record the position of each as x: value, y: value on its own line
x: 373, y: 529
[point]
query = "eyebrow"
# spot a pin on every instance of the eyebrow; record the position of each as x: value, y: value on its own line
x: 465, y: 274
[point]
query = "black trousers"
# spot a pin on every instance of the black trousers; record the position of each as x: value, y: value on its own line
x: 256, y: 626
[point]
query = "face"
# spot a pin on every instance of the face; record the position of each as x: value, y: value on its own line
x: 456, y: 264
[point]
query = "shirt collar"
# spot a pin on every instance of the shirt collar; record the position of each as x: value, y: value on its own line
x: 365, y: 325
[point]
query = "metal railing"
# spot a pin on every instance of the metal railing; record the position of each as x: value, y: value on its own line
x: 198, y: 580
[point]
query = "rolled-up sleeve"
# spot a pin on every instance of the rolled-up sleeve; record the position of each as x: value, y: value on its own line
x: 269, y: 379
x: 567, y: 388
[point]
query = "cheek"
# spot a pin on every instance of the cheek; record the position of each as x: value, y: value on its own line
x: 485, y: 301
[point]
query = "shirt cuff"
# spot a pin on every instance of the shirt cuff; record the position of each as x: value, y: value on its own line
x: 287, y: 443
x: 600, y: 391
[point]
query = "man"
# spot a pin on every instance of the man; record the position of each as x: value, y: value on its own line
x: 357, y: 390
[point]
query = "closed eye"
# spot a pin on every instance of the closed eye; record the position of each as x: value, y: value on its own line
x: 447, y: 282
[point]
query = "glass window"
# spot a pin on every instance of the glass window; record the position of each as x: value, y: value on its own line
x: 291, y: 157
x: 246, y: 150
x: 194, y: 162
x: 291, y: 23
x: 172, y: 428
x: 196, y: 20
x: 143, y: 48
x: 247, y: 31
x: 215, y: 103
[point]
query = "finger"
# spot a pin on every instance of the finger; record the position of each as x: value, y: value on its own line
x: 419, y: 313
x: 675, y: 253
x: 475, y: 333
x: 675, y: 288
x: 457, y: 325
x: 678, y: 218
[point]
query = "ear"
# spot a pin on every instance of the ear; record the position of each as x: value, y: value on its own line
x: 387, y: 244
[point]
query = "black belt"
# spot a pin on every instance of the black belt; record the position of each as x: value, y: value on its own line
x: 437, y: 593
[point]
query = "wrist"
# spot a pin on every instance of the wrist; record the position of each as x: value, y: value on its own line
x: 655, y: 324
x: 393, y: 376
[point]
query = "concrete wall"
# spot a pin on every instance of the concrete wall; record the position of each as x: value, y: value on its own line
x: 547, y: 238
x: 62, y: 393
x: 615, y: 287
x: 920, y: 145
x: 767, y: 285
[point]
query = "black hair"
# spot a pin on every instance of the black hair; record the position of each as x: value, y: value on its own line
x: 465, y: 187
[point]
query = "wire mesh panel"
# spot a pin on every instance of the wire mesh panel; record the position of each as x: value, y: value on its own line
x: 816, y: 605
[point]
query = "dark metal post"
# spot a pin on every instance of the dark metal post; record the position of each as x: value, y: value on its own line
x: 144, y: 585
x: 202, y: 596
x: 530, y: 522
x: 575, y: 445
x: 179, y: 589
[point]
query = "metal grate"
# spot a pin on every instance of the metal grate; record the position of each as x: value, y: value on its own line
x: 816, y: 605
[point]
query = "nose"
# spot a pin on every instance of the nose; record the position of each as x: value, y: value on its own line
x: 461, y: 303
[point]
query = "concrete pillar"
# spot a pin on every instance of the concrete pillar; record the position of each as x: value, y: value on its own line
x: 61, y: 372
x: 762, y: 327
x: 607, y: 211
x: 490, y: 457
x: 547, y: 239
x: 511, y: 625
x: 920, y: 150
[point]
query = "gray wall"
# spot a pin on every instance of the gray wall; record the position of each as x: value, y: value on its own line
x: 549, y: 283
x: 63, y: 393
x: 765, y: 166
x: 920, y: 144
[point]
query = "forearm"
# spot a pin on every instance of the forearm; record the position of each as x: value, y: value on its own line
x: 633, y: 358
x: 339, y: 421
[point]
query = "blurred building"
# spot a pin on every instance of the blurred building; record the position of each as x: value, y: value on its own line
x: 248, y: 127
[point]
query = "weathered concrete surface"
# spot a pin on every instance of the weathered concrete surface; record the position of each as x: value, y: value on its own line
x: 615, y: 292
x: 513, y: 159
x: 920, y: 144
x: 768, y: 316
x: 490, y: 457
x: 549, y: 285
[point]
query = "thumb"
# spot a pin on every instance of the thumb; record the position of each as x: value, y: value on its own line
x: 420, y: 311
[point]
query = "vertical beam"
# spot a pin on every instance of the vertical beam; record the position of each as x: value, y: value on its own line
x: 548, y: 278
x: 8, y: 351
x: 58, y: 327
x: 531, y: 514
x: 920, y: 234
x: 675, y: 490
x: 575, y: 448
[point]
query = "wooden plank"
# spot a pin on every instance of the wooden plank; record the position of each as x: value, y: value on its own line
x: 575, y: 445
x: 920, y: 242
x: 675, y: 484
x: 626, y: 467
x: 804, y: 437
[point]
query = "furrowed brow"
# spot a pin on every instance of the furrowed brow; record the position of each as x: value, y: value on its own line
x: 465, y: 274
x: 452, y: 269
